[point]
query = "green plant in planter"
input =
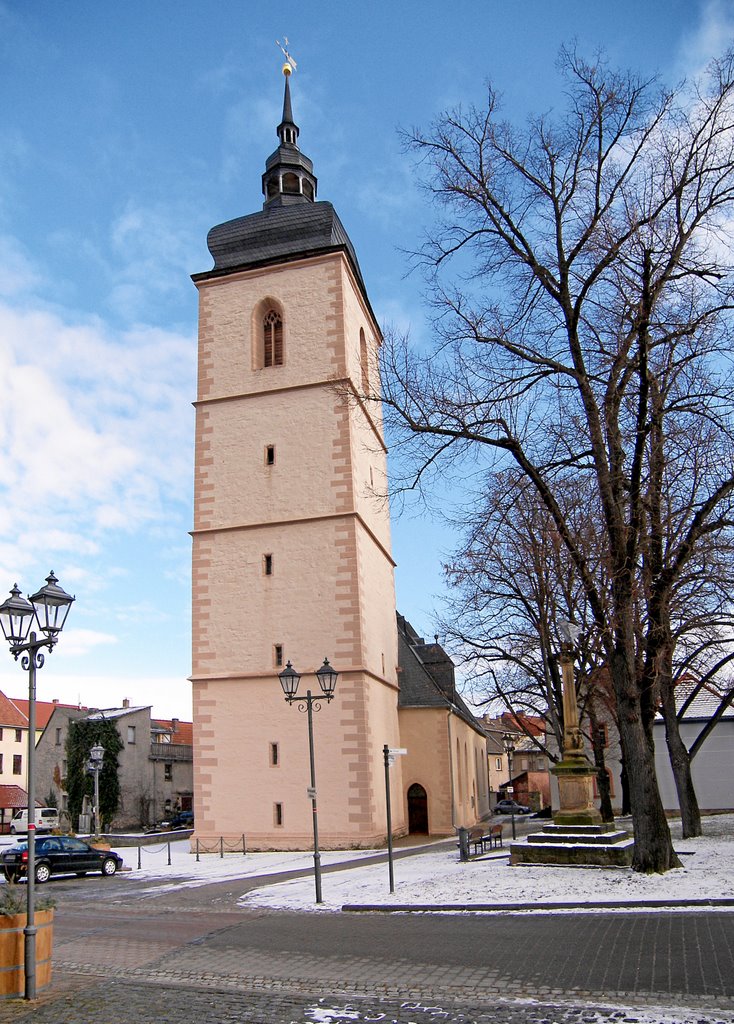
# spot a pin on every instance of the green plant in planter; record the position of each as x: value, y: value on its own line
x: 13, y: 901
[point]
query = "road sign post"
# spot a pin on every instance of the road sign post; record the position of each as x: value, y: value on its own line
x: 390, y: 753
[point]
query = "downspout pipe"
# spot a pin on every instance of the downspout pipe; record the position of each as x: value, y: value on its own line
x: 451, y: 770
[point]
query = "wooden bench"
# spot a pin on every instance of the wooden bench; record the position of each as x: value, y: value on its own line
x: 494, y: 836
x: 476, y: 839
x: 481, y: 838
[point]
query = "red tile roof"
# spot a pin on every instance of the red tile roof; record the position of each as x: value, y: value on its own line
x: 184, y: 730
x: 44, y: 710
x: 13, y: 797
x: 11, y: 714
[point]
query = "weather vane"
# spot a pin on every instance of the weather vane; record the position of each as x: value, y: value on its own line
x: 290, y: 65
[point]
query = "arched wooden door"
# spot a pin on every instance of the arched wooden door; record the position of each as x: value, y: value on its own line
x: 417, y: 809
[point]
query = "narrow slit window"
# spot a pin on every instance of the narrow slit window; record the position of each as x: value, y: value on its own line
x: 274, y: 755
x: 268, y: 565
x: 270, y: 455
x: 272, y: 339
x: 278, y: 655
x: 278, y: 814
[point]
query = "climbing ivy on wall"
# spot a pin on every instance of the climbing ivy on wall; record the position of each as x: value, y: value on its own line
x: 82, y: 736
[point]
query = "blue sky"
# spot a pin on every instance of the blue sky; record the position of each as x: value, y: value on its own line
x: 127, y: 131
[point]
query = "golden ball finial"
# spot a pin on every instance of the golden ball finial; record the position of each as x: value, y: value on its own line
x: 287, y: 69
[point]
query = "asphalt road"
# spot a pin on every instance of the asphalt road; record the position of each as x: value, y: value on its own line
x: 123, y: 954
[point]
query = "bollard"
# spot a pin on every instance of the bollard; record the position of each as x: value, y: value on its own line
x: 169, y: 853
x: 197, y: 851
x: 139, y: 862
x: 221, y: 847
x: 464, y: 844
x: 244, y: 848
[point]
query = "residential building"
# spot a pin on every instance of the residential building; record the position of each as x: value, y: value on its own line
x: 13, y: 755
x: 155, y: 763
x: 498, y: 769
x: 44, y: 710
x: 531, y: 782
x: 712, y: 767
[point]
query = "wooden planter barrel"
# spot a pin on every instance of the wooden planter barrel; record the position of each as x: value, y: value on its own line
x: 12, y: 948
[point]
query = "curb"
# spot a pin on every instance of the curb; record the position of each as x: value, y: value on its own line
x: 484, y: 908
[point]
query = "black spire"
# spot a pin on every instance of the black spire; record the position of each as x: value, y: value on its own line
x: 287, y: 129
x: 288, y: 176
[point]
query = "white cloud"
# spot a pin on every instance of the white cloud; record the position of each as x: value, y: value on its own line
x: 79, y: 642
x: 714, y: 35
x: 95, y: 432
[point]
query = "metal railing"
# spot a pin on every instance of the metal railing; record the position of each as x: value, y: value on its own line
x: 218, y: 846
x: 172, y: 752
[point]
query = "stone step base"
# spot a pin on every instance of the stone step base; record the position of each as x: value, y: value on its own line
x: 580, y: 830
x: 578, y: 854
x: 579, y: 838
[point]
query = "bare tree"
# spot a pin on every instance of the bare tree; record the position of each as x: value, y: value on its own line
x: 591, y: 263
x: 511, y: 583
x: 512, y: 579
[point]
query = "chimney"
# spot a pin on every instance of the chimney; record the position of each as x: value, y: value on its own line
x: 126, y: 702
x: 55, y: 700
x: 174, y: 725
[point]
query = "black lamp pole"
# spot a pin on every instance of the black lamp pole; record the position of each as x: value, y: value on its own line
x: 94, y: 765
x: 509, y: 744
x: 48, y: 609
x: 289, y: 680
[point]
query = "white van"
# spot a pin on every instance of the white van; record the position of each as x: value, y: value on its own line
x: 47, y: 818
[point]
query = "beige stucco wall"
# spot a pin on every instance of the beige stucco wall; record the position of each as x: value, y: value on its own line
x: 424, y: 733
x: 331, y: 592
x: 448, y: 758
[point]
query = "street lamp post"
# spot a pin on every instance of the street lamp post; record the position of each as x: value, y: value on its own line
x: 48, y: 608
x: 94, y: 765
x: 509, y: 743
x: 289, y: 680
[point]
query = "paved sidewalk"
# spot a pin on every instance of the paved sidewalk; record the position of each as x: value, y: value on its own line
x: 146, y: 965
x: 124, y: 1002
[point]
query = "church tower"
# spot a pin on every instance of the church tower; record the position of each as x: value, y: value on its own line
x: 291, y: 539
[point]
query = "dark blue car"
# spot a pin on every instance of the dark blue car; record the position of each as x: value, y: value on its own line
x: 59, y: 855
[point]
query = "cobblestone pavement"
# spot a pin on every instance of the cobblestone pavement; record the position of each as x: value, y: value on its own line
x: 126, y: 1001
x: 192, y: 957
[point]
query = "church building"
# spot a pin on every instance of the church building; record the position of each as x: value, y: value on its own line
x: 291, y: 542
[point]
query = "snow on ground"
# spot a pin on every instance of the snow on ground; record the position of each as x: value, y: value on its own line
x: 436, y: 876
x: 185, y: 871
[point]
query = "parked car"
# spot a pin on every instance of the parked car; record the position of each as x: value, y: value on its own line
x: 47, y: 818
x: 184, y: 819
x: 511, y: 807
x: 59, y: 855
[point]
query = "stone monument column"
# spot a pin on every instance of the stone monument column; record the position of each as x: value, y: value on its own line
x: 574, y: 772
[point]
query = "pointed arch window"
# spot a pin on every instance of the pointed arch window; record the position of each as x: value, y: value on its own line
x: 272, y: 339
